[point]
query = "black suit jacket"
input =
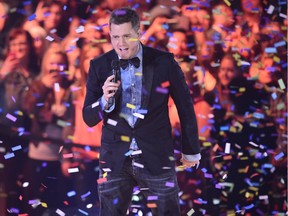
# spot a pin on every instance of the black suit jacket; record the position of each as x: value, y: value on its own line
x: 153, y: 133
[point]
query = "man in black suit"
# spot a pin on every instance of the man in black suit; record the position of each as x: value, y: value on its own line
x: 137, y: 145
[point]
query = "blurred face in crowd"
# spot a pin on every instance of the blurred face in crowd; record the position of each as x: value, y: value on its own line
x: 249, y: 5
x: 19, y: 47
x: 55, y: 62
x: 53, y: 18
x: 223, y: 15
x: 91, y: 53
x: 178, y: 43
x: 227, y: 71
x: 203, y: 18
x: 125, y: 40
x: 265, y: 72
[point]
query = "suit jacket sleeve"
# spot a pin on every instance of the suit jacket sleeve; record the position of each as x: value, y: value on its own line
x: 92, y: 110
x: 181, y: 95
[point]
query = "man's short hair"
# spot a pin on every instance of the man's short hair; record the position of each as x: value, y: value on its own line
x: 125, y: 15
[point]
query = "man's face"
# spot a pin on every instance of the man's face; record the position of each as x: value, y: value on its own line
x: 124, y: 39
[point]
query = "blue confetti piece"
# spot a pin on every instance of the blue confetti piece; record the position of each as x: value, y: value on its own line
x: 9, y: 155
x: 280, y: 43
x: 224, y: 128
x: 278, y: 156
x: 32, y: 17
x: 136, y: 6
x: 270, y: 50
x: 83, y: 212
x: 249, y: 206
x: 71, y: 193
x: 16, y: 148
x: 115, y: 201
x: 258, y: 115
x: 274, y: 95
x: 86, y: 194
x: 64, y: 7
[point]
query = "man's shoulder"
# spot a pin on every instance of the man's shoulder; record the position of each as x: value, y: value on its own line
x: 154, y: 53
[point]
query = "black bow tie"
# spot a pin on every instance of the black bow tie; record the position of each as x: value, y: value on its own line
x: 134, y: 61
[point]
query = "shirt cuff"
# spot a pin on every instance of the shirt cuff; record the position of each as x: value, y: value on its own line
x: 103, y: 103
x: 191, y: 158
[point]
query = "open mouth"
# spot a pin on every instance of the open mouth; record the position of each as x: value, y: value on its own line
x: 123, y: 49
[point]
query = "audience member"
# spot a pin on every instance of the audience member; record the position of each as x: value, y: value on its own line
x: 49, y: 104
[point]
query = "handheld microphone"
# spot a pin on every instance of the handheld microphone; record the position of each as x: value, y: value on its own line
x: 115, y: 71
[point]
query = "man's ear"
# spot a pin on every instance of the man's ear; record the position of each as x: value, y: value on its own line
x: 139, y: 33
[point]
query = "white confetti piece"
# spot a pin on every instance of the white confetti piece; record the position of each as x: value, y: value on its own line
x: 227, y: 148
x: 137, y: 164
x: 73, y: 170
x: 112, y: 122
x: 95, y: 104
x: 138, y: 115
x: 59, y: 212
x: 106, y: 169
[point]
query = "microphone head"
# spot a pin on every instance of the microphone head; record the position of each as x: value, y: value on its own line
x: 115, y: 64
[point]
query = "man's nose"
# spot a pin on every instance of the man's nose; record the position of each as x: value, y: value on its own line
x: 122, y: 41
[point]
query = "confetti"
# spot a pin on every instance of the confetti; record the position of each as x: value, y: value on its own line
x: 101, y: 180
x: 11, y: 117
x: 137, y: 164
x: 131, y: 106
x: 191, y: 212
x: 125, y: 138
x: 59, y: 212
x: 71, y: 193
x: 138, y: 115
x: 227, y: 148
x: 15, y: 148
x: 281, y: 84
x: 9, y: 155
x: 73, y: 170
x: 162, y: 90
x: 112, y: 122
x: 169, y: 184
x: 278, y: 156
x: 49, y: 38
x: 70, y: 155
x: 106, y: 169
x: 151, y: 205
x: 165, y: 84
x: 83, y: 212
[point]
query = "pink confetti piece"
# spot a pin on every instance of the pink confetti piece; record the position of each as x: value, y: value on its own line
x: 11, y: 117
x: 165, y: 84
x: 152, y: 198
x: 169, y: 184
x: 70, y: 155
x: 162, y: 90
x: 101, y: 180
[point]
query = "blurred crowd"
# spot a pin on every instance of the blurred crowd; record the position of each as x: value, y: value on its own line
x: 234, y: 57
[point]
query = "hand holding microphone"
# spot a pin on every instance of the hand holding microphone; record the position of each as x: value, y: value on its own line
x: 112, y: 83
